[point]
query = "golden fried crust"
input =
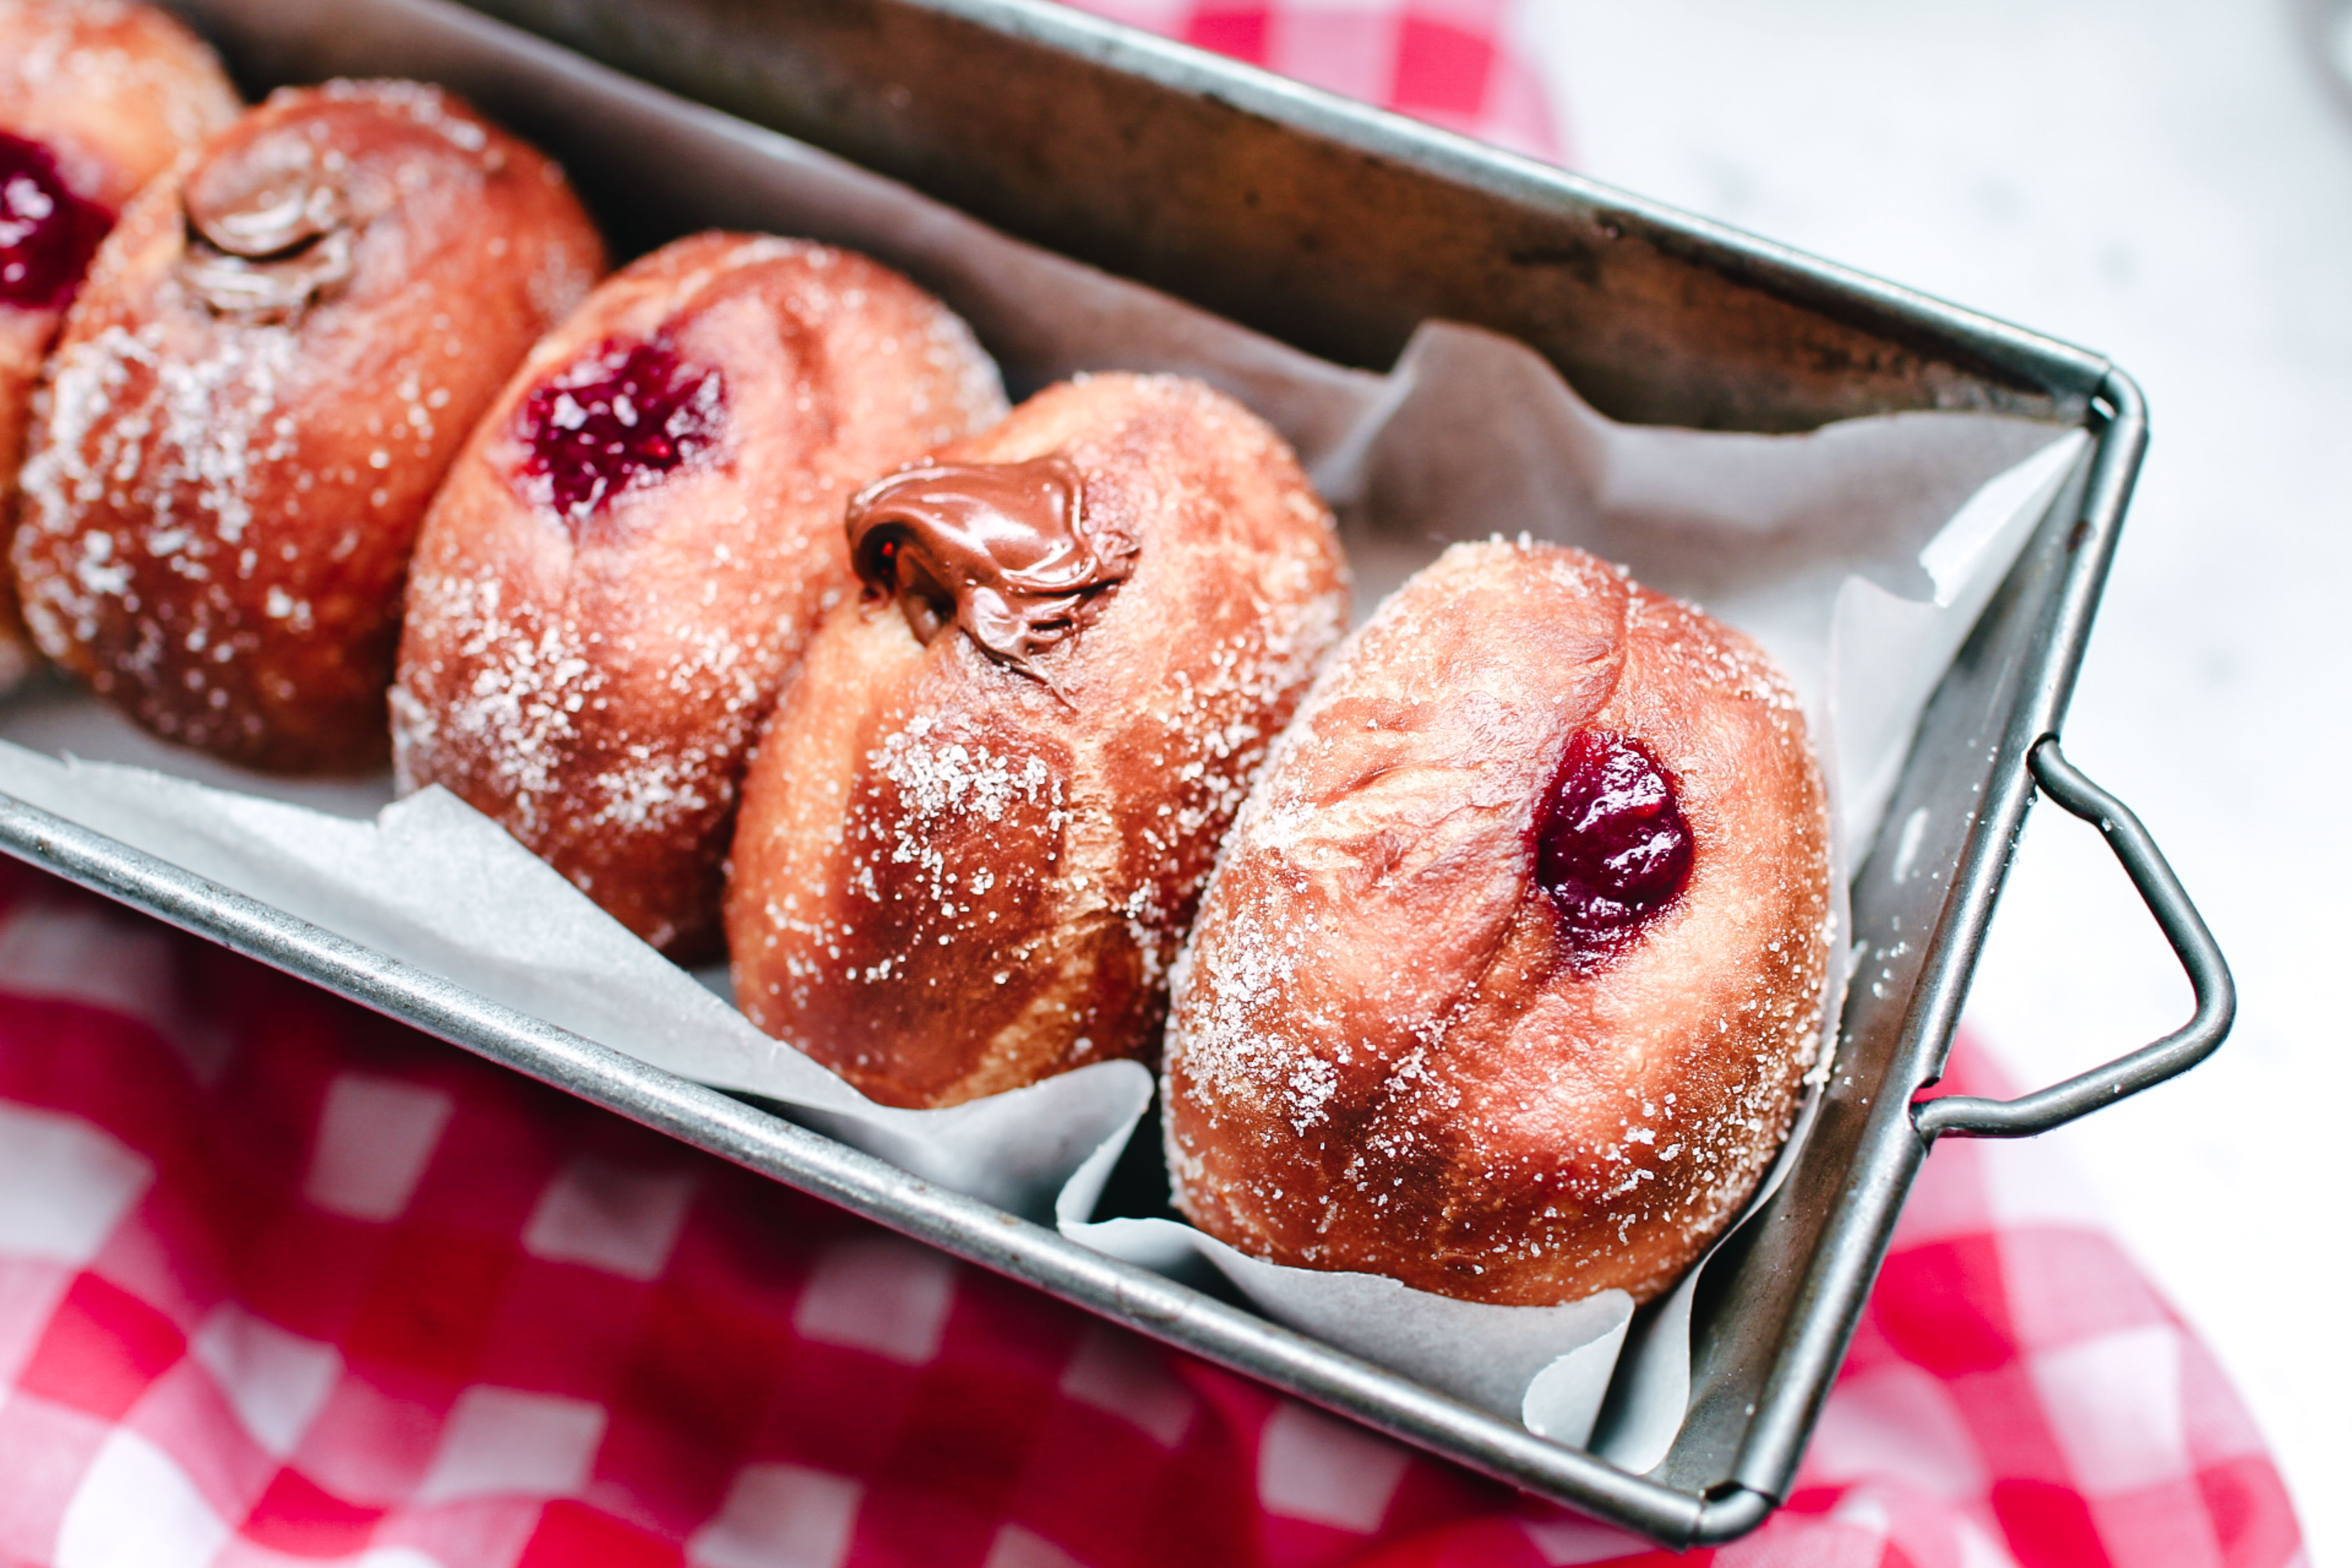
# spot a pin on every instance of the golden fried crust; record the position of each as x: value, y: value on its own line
x: 115, y: 93
x: 1384, y: 1059
x: 228, y: 480
x: 595, y: 686
x: 948, y: 881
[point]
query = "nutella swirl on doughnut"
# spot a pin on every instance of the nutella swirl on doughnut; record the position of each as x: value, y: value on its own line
x: 268, y: 233
x: 1002, y: 550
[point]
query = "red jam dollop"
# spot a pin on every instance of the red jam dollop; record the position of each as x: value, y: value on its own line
x: 1612, y: 849
x: 623, y: 414
x: 48, y: 234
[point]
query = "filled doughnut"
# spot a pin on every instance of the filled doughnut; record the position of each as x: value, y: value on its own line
x: 94, y: 101
x: 1514, y: 963
x: 980, y: 822
x: 275, y: 357
x: 632, y: 553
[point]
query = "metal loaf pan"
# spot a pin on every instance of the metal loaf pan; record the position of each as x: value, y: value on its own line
x: 1339, y: 229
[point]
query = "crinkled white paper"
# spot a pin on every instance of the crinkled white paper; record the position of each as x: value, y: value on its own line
x: 1858, y: 555
x: 433, y: 882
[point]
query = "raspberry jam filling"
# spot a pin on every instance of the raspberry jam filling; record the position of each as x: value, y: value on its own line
x: 48, y: 234
x: 1612, y: 849
x: 622, y: 414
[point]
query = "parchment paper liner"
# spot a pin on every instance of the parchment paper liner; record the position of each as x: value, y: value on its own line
x: 1858, y: 555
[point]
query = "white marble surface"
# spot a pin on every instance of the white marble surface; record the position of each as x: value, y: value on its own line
x: 2168, y: 182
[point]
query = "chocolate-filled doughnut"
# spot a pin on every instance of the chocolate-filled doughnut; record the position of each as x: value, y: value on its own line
x: 1514, y: 963
x: 276, y: 355
x: 94, y: 101
x: 633, y: 551
x: 978, y: 823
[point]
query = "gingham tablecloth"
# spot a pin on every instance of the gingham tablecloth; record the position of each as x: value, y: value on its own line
x: 283, y: 1282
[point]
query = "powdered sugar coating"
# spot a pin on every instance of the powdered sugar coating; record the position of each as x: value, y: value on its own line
x: 117, y: 90
x: 1386, y: 1055
x: 951, y: 879
x: 221, y: 500
x: 164, y: 447
x: 112, y: 93
x: 594, y: 678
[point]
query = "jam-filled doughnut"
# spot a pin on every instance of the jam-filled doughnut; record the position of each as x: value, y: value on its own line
x: 1514, y: 963
x: 94, y: 101
x: 632, y: 553
x: 978, y: 824
x: 276, y: 355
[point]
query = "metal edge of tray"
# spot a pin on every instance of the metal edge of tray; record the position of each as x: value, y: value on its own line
x: 1835, y: 1281
x: 1242, y: 191
x: 2008, y: 691
x: 1816, y: 282
x: 811, y: 1162
x: 1741, y: 1444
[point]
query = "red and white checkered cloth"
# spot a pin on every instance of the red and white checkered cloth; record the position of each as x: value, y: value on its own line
x: 282, y: 1282
x: 1450, y: 62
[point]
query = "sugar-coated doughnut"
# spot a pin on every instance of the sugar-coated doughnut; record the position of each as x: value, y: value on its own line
x: 1509, y: 975
x: 96, y: 98
x: 632, y: 553
x: 275, y: 357
x: 978, y: 824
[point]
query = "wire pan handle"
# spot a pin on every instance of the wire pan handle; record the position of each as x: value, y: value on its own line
x: 2216, y: 997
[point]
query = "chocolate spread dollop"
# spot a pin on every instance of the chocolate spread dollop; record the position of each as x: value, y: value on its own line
x: 270, y: 230
x: 1003, y: 550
